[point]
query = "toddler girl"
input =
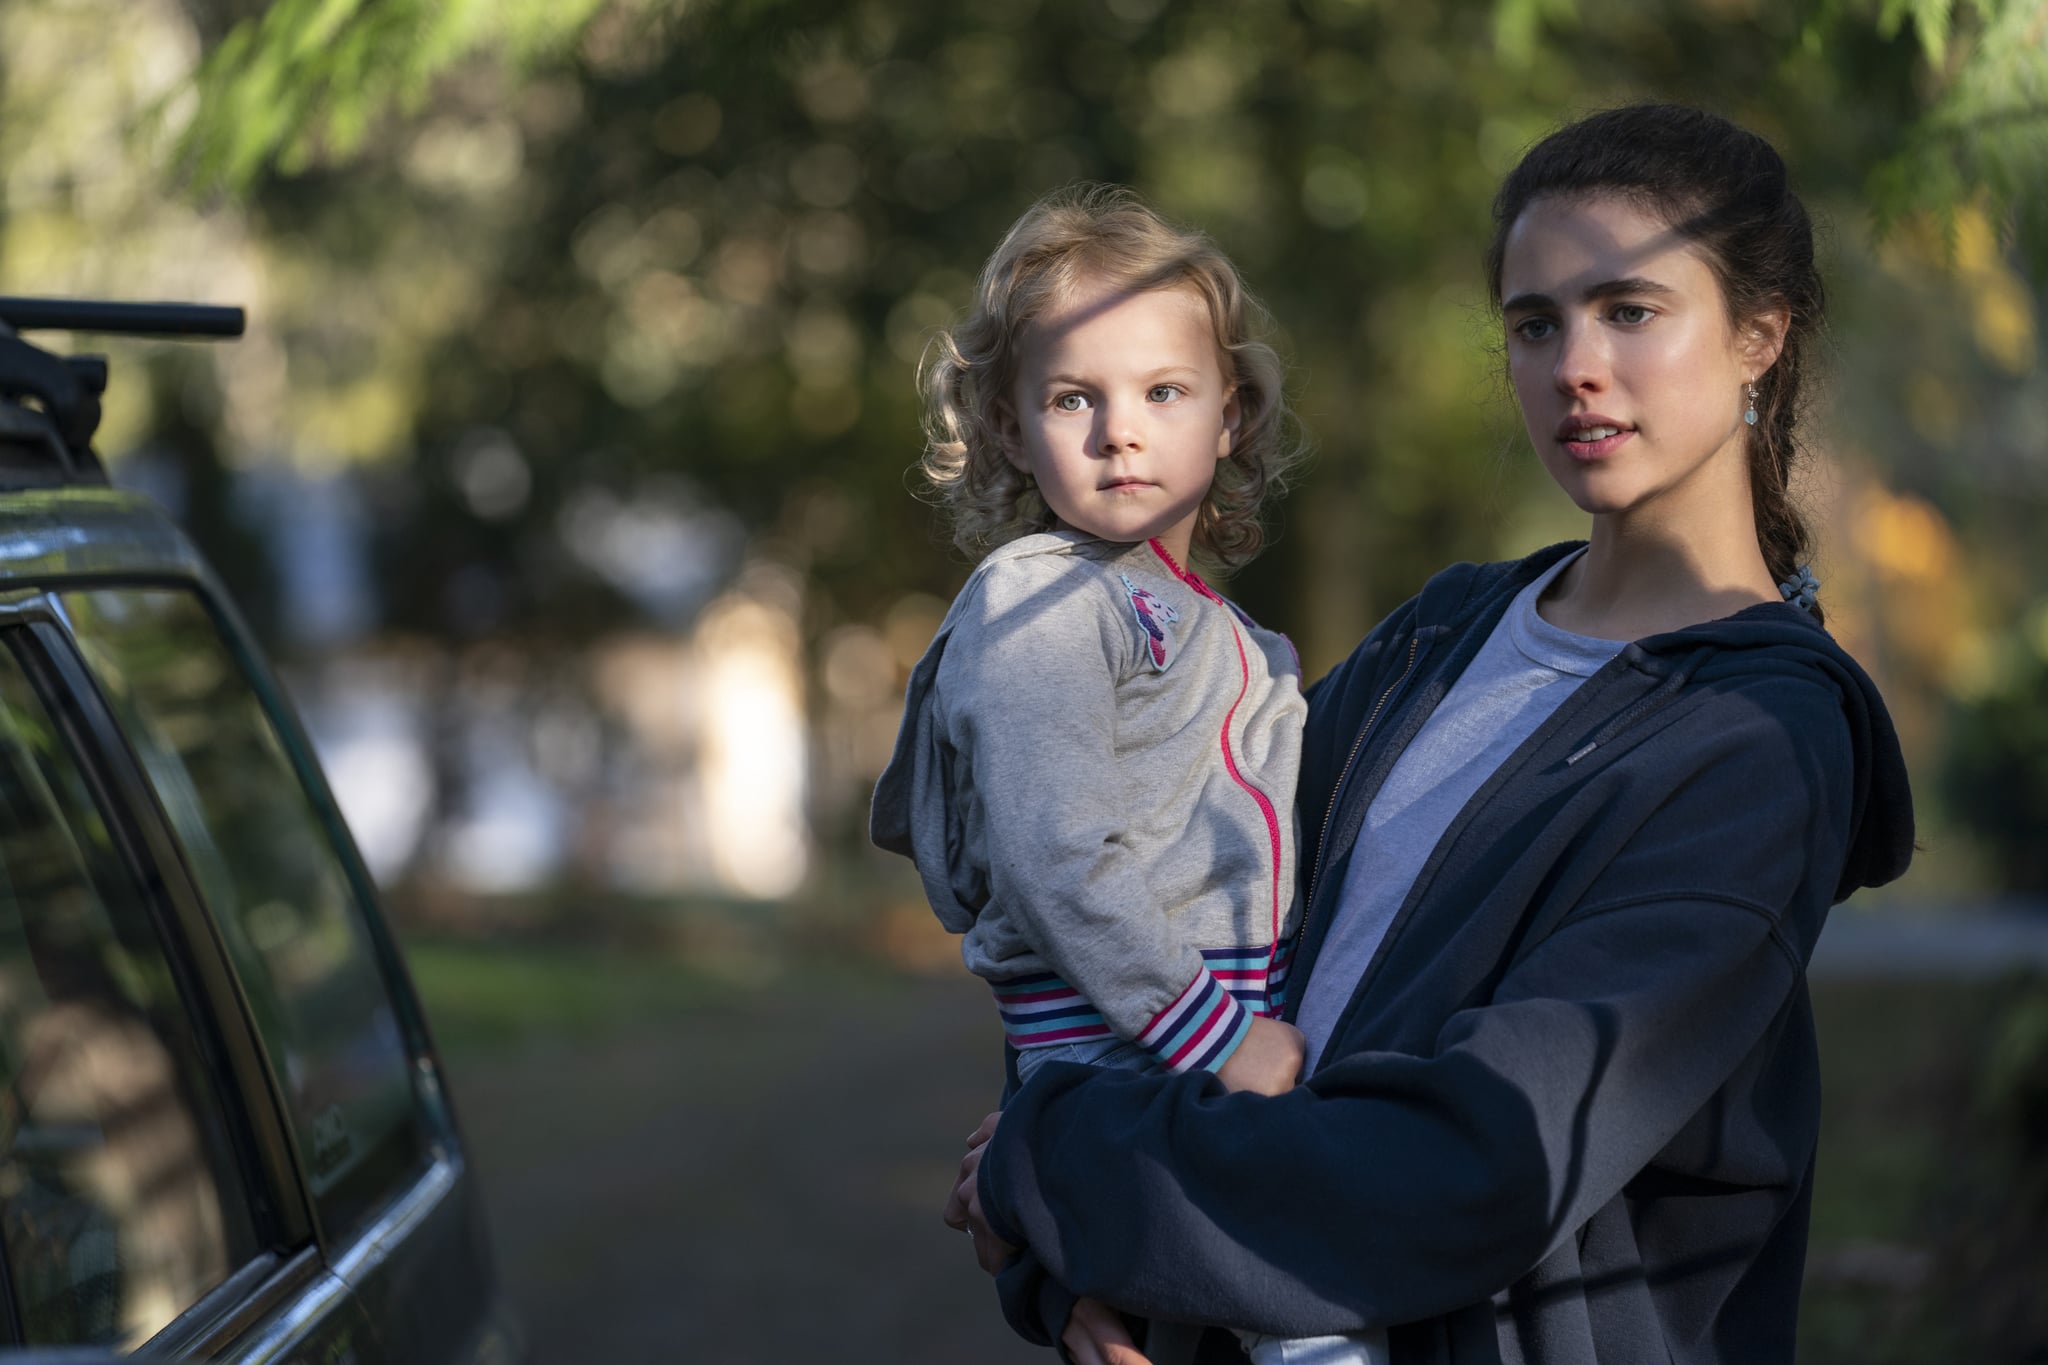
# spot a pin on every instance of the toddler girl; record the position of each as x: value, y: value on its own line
x: 1095, y: 774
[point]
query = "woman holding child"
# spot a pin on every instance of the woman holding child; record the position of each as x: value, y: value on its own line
x: 1569, y: 828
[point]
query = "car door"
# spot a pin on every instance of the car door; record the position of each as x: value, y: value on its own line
x: 147, y: 1196
x: 392, y: 1204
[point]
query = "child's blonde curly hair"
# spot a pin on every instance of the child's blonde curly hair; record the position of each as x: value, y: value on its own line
x: 1098, y: 234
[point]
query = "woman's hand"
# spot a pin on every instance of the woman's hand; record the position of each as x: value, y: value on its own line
x: 1095, y: 1335
x: 963, y: 1205
x: 1268, y: 1061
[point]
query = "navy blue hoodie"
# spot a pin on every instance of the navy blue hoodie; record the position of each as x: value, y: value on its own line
x: 1569, y: 1114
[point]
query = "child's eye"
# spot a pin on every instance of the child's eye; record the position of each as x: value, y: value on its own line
x: 1163, y: 393
x: 1632, y: 314
x: 1071, y: 402
x: 1534, y: 329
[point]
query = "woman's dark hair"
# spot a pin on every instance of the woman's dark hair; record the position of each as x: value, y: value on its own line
x: 1725, y: 189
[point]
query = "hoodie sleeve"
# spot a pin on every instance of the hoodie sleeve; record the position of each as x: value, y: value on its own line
x: 1028, y: 692
x: 1392, y: 1188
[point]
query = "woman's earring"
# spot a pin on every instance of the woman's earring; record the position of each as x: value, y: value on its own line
x: 1750, y: 415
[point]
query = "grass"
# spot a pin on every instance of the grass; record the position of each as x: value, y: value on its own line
x: 486, y: 995
x: 483, y: 994
x: 1929, y: 1179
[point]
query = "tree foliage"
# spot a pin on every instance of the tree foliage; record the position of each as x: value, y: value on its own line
x: 577, y: 280
x: 305, y: 81
x: 1981, y: 135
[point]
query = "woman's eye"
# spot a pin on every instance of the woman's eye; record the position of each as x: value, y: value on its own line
x: 1163, y: 393
x: 1534, y: 329
x: 1631, y: 314
x: 1070, y: 402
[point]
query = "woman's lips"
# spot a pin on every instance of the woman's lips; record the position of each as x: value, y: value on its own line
x: 1591, y: 435
x: 1597, y: 449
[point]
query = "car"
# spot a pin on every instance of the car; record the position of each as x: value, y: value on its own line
x: 225, y: 1133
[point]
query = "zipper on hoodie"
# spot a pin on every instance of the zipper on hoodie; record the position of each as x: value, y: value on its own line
x: 1265, y: 802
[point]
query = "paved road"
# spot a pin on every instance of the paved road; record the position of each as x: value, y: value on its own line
x: 755, y: 1184
x: 760, y: 1182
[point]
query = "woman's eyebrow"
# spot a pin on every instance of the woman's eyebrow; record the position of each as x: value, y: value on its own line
x: 1634, y: 284
x: 1528, y: 303
x: 1605, y: 289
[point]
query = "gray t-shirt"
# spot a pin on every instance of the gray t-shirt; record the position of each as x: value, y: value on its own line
x: 1522, y: 674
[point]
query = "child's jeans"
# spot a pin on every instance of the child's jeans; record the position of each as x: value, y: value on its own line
x: 1173, y: 1343
x: 1112, y: 1052
x: 1365, y: 1348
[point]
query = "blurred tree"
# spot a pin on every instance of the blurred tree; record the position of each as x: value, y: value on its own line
x: 708, y: 241
x: 601, y: 295
x: 1996, y: 774
x: 299, y: 81
x: 729, y: 230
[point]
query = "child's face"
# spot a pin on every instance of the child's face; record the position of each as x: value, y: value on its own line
x: 1121, y: 411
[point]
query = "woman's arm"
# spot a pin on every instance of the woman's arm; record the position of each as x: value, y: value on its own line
x: 1395, y: 1187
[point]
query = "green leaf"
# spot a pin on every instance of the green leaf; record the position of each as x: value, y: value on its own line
x: 1518, y: 27
x: 311, y: 78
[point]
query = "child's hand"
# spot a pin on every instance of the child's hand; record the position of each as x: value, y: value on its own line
x: 1268, y: 1061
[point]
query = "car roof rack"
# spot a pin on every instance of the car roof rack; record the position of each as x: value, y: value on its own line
x: 50, y: 404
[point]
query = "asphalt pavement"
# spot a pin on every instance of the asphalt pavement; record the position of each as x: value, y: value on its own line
x: 756, y: 1183
x: 760, y: 1180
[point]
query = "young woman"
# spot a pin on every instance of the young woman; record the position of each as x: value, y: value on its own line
x: 1571, y: 826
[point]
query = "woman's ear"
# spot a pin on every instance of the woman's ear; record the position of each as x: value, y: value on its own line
x: 1763, y: 338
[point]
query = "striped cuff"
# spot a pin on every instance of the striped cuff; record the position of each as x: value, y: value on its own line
x: 1200, y: 1029
x: 1277, y: 979
x: 1041, y: 1010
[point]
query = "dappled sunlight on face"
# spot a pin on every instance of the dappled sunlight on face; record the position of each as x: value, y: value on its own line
x: 1628, y: 374
x: 1121, y: 412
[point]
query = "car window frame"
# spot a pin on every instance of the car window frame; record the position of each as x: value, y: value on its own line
x: 239, y: 1076
x: 439, y: 1130
x: 305, y: 1256
x: 437, y: 1116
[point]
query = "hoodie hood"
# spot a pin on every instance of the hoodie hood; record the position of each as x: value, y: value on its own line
x: 1765, y: 638
x: 915, y: 810
x: 1778, y: 637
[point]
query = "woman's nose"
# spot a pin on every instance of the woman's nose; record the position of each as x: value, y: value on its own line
x: 1582, y: 360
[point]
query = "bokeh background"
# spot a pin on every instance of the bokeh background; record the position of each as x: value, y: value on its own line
x: 566, y: 469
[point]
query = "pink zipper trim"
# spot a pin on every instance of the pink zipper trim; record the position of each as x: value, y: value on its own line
x: 1230, y: 759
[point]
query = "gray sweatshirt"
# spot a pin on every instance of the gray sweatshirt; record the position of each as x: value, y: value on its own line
x: 1095, y: 777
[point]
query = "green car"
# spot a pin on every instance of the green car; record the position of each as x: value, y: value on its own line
x: 224, y: 1132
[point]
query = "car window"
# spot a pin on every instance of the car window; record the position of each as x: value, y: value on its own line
x: 269, y: 870
x: 120, y: 1203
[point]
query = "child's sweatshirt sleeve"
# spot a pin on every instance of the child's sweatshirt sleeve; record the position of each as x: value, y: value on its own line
x: 1029, y: 694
